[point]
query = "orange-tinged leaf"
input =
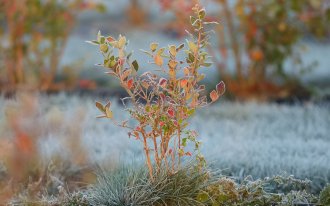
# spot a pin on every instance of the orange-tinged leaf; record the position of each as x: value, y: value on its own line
x: 129, y: 83
x: 172, y: 73
x: 100, y: 106
x: 110, y: 39
x: 24, y: 143
x: 172, y: 63
x: 158, y: 60
x: 214, y: 95
x: 188, y: 154
x: 183, y: 83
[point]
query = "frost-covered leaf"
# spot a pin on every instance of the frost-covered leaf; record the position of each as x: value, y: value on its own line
x: 214, y: 95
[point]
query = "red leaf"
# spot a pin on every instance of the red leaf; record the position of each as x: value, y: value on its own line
x: 221, y: 88
x: 162, y: 82
x: 161, y: 124
x: 188, y: 154
x: 121, y: 61
x: 170, y: 112
x: 110, y: 39
x: 162, y: 96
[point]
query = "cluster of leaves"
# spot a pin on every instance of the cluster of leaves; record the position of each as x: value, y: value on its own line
x: 226, y: 191
x: 270, y: 30
x: 34, y: 39
x: 162, y: 101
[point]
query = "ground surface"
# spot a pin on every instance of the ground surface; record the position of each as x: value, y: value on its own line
x: 241, y: 139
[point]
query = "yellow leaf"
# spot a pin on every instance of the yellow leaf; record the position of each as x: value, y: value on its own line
x: 121, y: 42
x: 108, y: 113
x: 153, y: 46
x: 172, y: 50
x: 172, y: 63
x: 192, y: 46
x: 172, y: 73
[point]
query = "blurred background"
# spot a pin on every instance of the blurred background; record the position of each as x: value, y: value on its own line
x: 273, y: 55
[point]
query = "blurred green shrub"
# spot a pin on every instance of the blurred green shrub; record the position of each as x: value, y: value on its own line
x: 33, y: 40
x: 325, y: 196
x: 266, y: 32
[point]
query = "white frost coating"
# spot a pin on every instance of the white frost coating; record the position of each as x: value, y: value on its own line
x: 243, y: 138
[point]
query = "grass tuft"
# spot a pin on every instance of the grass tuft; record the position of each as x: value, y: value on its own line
x: 128, y: 186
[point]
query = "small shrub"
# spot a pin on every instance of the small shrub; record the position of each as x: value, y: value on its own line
x: 266, y: 33
x: 162, y: 101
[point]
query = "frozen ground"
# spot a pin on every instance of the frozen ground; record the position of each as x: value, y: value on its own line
x: 239, y: 138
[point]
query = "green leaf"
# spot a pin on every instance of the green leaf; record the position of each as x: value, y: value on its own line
x: 102, y: 40
x: 192, y: 19
x: 207, y: 64
x: 129, y: 55
x: 202, y: 197
x: 94, y: 42
x: 191, y: 112
x: 201, y: 13
x: 135, y: 65
x: 184, y: 141
x: 99, y: 36
x: 192, y: 46
x: 104, y: 48
x: 180, y: 47
x: 146, y: 52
